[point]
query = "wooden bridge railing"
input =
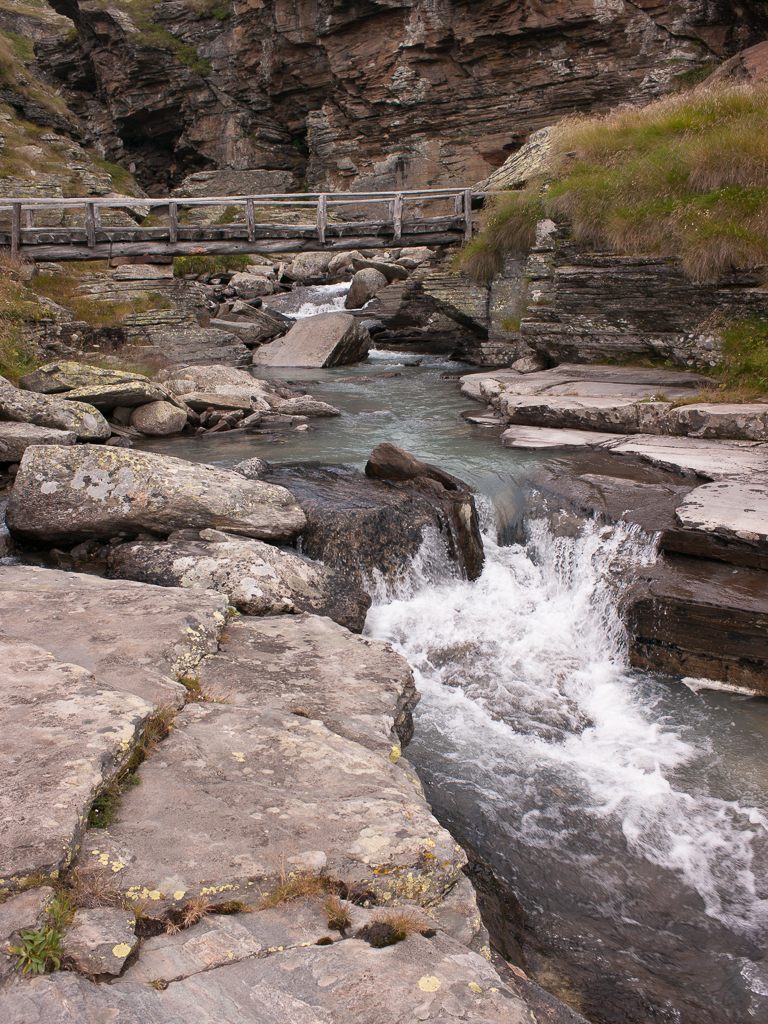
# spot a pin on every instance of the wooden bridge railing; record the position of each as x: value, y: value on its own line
x: 403, y: 223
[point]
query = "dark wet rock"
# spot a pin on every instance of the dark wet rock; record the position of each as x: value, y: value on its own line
x: 699, y: 618
x: 451, y: 495
x: 373, y: 526
x: 72, y: 494
x: 258, y: 579
x: 329, y: 339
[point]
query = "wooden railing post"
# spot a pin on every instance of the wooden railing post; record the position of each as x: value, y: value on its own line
x: 173, y: 223
x: 322, y: 209
x: 467, y: 214
x: 15, y: 229
x: 90, y: 226
x: 250, y: 220
x: 458, y: 203
x: 29, y: 220
x: 97, y: 217
x: 397, y: 218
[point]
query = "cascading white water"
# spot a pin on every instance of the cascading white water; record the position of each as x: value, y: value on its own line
x: 533, y: 718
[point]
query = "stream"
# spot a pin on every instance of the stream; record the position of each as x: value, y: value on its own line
x: 617, y: 820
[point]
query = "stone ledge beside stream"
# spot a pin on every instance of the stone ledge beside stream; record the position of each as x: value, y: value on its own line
x: 291, y: 763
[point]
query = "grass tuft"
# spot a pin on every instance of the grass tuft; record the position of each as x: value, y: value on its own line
x: 685, y: 176
x: 296, y: 886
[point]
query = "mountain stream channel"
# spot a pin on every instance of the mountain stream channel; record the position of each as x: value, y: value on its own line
x: 616, y: 820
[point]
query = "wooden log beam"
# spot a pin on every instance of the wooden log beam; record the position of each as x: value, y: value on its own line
x: 397, y: 218
x: 15, y: 229
x: 250, y: 220
x: 173, y: 223
x: 322, y: 217
x: 468, y: 215
x: 222, y: 247
x: 90, y: 225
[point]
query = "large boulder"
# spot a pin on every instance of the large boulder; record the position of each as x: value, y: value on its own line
x: 158, y: 419
x: 50, y: 411
x: 15, y: 438
x: 258, y: 578
x: 365, y: 284
x: 329, y: 339
x: 374, y: 528
x: 65, y: 495
x: 309, y: 264
x: 249, y: 286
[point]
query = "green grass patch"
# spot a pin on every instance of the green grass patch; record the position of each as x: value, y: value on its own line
x: 744, y: 369
x: 686, y: 177
x: 209, y: 264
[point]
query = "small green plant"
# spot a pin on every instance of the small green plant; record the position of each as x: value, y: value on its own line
x: 158, y: 983
x: 229, y: 216
x: 40, y: 950
x: 61, y: 911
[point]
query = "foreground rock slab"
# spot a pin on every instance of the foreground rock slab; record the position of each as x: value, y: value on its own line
x: 65, y: 495
x: 329, y: 339
x: 277, y: 790
x: 99, y: 941
x: 258, y: 578
x: 65, y: 735
x: 422, y: 979
x: 132, y: 637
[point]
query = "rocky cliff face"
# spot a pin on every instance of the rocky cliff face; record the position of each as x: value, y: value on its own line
x: 366, y: 94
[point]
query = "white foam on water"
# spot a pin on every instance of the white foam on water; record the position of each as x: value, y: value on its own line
x: 321, y: 298
x: 526, y: 671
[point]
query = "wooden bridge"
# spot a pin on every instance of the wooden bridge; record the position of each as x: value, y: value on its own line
x: 79, y: 229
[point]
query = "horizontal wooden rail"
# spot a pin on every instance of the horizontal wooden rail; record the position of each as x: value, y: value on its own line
x: 403, y: 223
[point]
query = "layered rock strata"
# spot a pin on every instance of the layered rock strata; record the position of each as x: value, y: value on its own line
x: 406, y: 96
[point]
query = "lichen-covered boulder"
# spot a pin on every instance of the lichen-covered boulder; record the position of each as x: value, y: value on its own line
x: 158, y: 419
x: 109, y: 396
x: 65, y: 495
x: 66, y: 375
x: 50, y: 411
x: 15, y: 438
x: 258, y: 578
x: 305, y: 405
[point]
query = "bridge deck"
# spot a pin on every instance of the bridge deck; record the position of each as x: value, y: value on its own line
x: 227, y: 224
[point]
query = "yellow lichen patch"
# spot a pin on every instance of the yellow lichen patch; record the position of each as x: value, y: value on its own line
x: 429, y: 983
x: 395, y: 752
x: 180, y: 894
x: 238, y: 755
x: 474, y: 987
x: 121, y: 949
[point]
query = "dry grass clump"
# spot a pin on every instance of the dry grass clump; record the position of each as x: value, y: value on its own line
x: 686, y: 176
x: 295, y: 886
x: 509, y: 228
x: 394, y: 926
x: 337, y: 913
x: 194, y: 910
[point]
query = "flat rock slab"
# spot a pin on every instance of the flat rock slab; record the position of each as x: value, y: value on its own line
x: 99, y: 941
x: 701, y: 619
x: 55, y: 378
x: 133, y: 637
x: 713, y: 459
x: 258, y: 578
x: 732, y: 509
x: 15, y: 438
x: 236, y: 796
x: 109, y: 396
x: 308, y: 666
x: 552, y: 437
x: 65, y: 735
x: 419, y: 979
x: 51, y: 411
x: 329, y: 339
x: 65, y: 495
x: 644, y: 381
x: 24, y: 909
